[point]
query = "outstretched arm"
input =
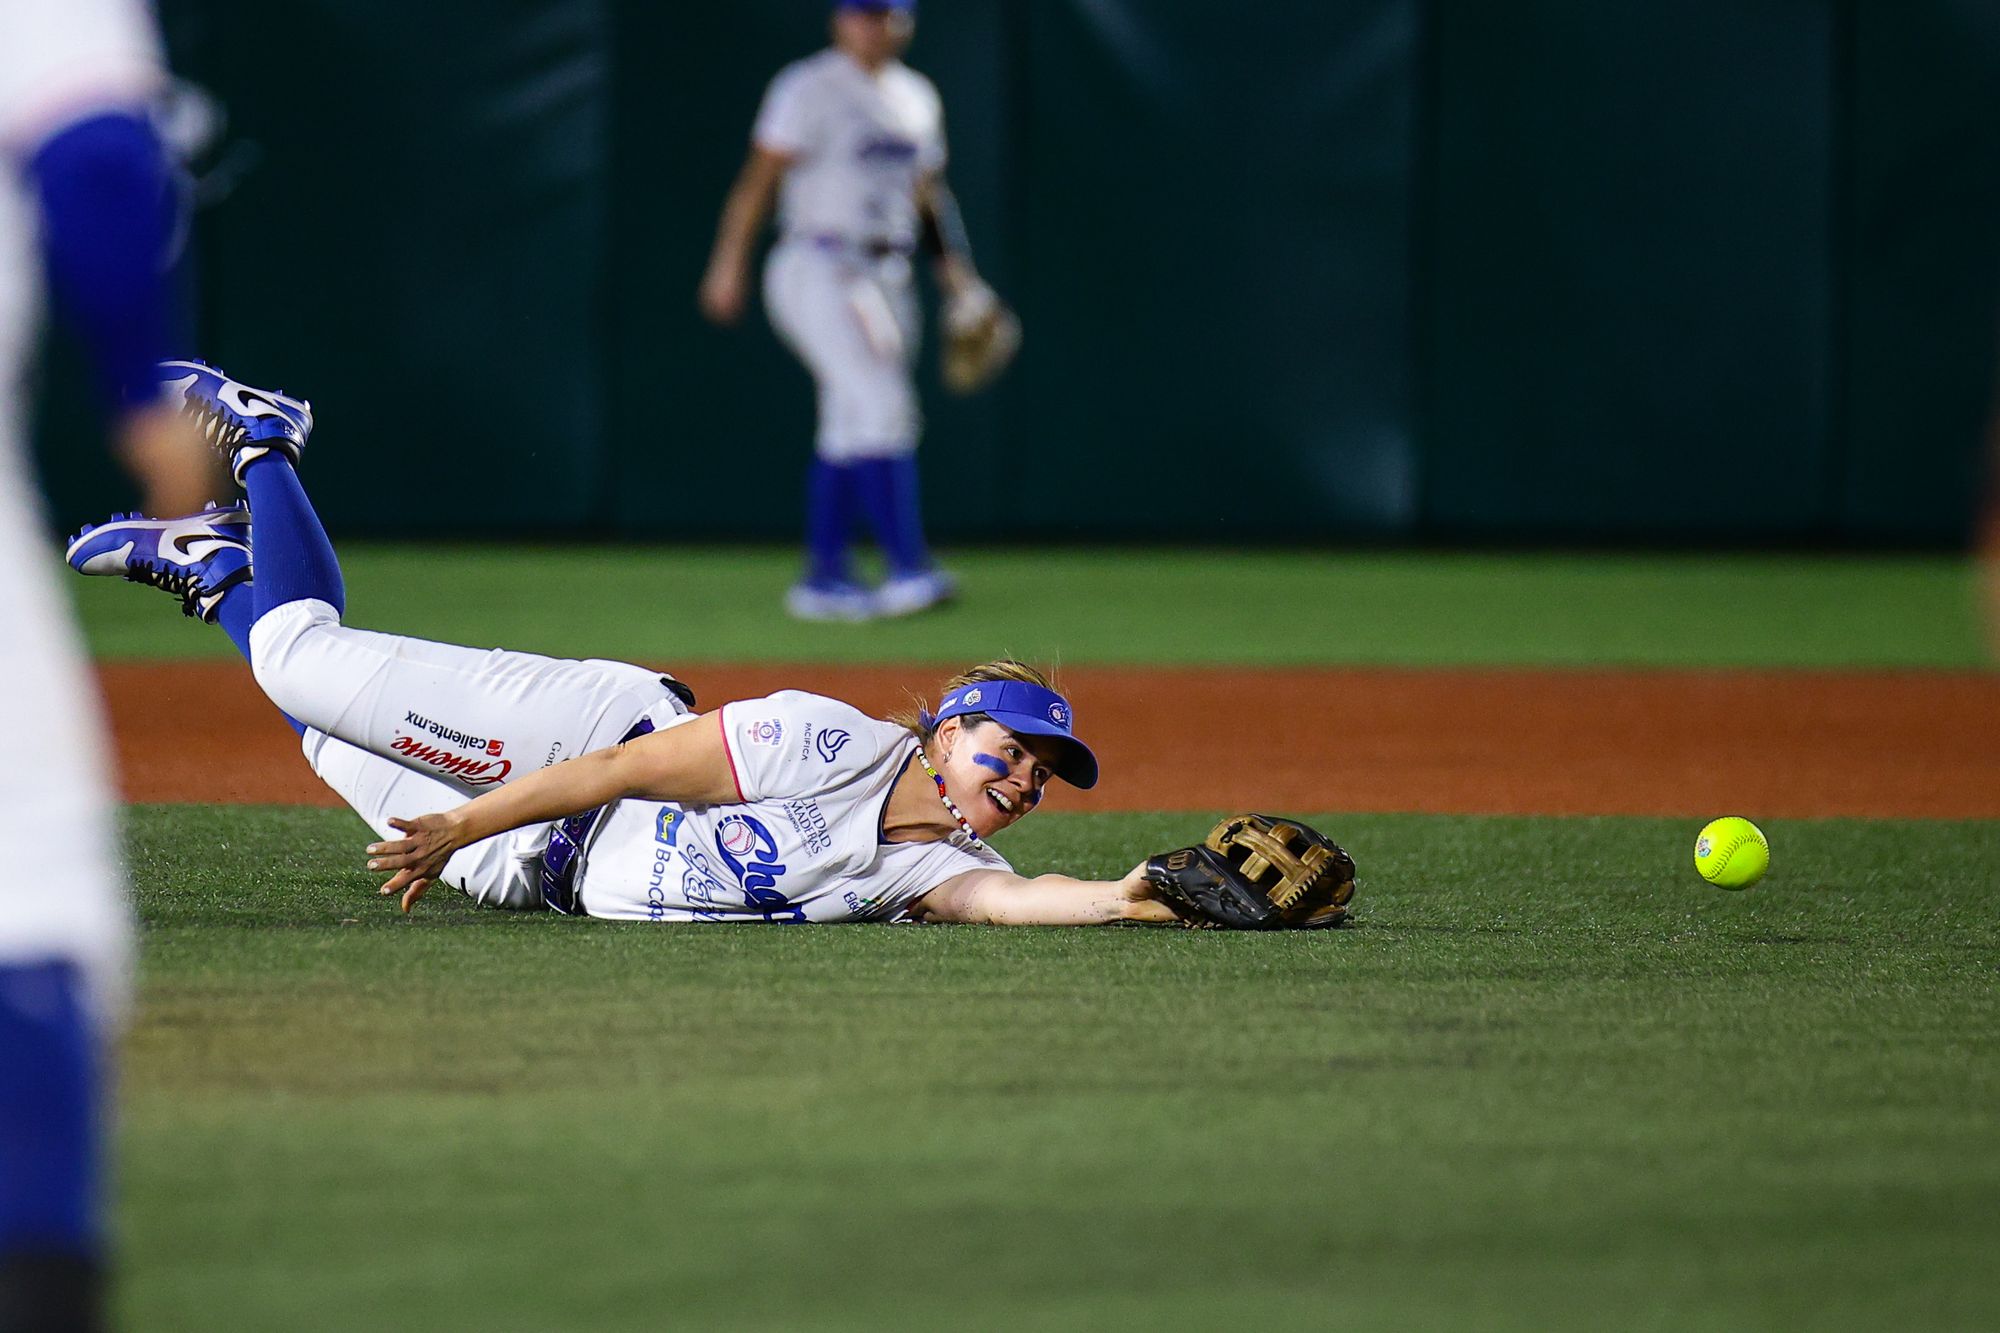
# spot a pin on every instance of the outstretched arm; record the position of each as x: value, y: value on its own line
x: 1002, y: 898
x: 688, y: 763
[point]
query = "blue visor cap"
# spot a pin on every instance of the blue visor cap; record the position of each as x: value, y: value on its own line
x: 1028, y: 710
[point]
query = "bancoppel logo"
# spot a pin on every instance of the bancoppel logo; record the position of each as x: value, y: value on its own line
x: 831, y: 741
x: 453, y: 736
x: 472, y: 772
x: 656, y: 886
x: 667, y: 826
x: 765, y: 731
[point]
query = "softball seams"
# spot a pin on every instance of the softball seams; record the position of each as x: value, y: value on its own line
x: 1722, y: 855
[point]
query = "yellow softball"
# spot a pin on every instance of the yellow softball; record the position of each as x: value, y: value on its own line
x: 1731, y: 853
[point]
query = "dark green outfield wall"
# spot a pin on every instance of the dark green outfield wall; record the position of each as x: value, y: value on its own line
x: 1704, y: 270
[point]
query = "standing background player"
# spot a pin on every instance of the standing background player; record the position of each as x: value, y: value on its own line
x: 855, y: 139
x: 90, y: 181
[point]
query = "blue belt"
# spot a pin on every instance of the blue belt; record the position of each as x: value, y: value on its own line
x: 564, y: 858
x: 875, y: 247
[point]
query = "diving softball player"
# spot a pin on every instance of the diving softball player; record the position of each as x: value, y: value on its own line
x: 593, y: 787
x: 851, y: 141
x: 87, y: 203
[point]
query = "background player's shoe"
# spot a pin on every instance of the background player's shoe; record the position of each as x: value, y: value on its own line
x: 243, y: 424
x: 829, y: 601
x: 908, y: 594
x: 197, y: 558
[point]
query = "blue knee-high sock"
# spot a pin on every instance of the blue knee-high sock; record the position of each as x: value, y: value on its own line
x: 235, y: 613
x: 49, y: 1124
x: 888, y: 492
x: 829, y: 506
x: 293, y: 558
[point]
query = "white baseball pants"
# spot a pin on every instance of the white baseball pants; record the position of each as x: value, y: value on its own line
x: 855, y: 324
x: 406, y: 727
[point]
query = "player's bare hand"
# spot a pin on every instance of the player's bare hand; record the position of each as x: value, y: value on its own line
x: 724, y: 293
x: 1143, y: 902
x: 417, y: 858
x: 164, y: 452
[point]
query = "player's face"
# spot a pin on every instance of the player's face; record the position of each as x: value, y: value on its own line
x: 995, y: 776
x: 874, y: 35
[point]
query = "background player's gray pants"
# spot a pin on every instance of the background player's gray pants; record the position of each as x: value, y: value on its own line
x: 854, y: 322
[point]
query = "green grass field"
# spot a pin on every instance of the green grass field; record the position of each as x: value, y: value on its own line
x: 1150, y: 608
x: 1550, y: 1081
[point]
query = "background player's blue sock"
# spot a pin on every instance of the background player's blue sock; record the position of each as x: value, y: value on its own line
x: 236, y: 612
x: 49, y: 1088
x: 288, y: 547
x: 829, y: 504
x: 887, y: 488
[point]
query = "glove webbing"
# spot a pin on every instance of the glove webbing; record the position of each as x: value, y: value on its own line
x: 1297, y: 873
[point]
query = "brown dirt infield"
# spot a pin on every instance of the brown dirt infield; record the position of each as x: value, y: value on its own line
x: 1767, y: 744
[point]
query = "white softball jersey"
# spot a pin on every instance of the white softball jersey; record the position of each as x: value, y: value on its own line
x: 63, y: 895
x: 859, y: 142
x: 805, y: 843
x: 838, y: 285
x: 402, y: 727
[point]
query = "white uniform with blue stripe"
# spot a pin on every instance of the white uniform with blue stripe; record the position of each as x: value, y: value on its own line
x: 426, y: 725
x: 838, y: 285
x: 804, y: 844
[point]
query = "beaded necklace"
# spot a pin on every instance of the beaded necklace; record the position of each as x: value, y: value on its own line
x: 945, y: 796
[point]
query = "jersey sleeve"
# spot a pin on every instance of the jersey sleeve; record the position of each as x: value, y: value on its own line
x: 788, y: 122
x: 792, y: 744
x: 931, y: 154
x: 65, y: 62
x: 913, y: 869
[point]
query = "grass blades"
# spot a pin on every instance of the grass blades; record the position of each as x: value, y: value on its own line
x: 1550, y: 1081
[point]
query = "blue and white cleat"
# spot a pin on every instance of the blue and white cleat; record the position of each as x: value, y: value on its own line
x: 243, y: 424
x: 907, y: 594
x: 809, y: 600
x: 197, y: 558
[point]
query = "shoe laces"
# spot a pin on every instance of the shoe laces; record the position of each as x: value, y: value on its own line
x: 170, y: 579
x: 217, y: 430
